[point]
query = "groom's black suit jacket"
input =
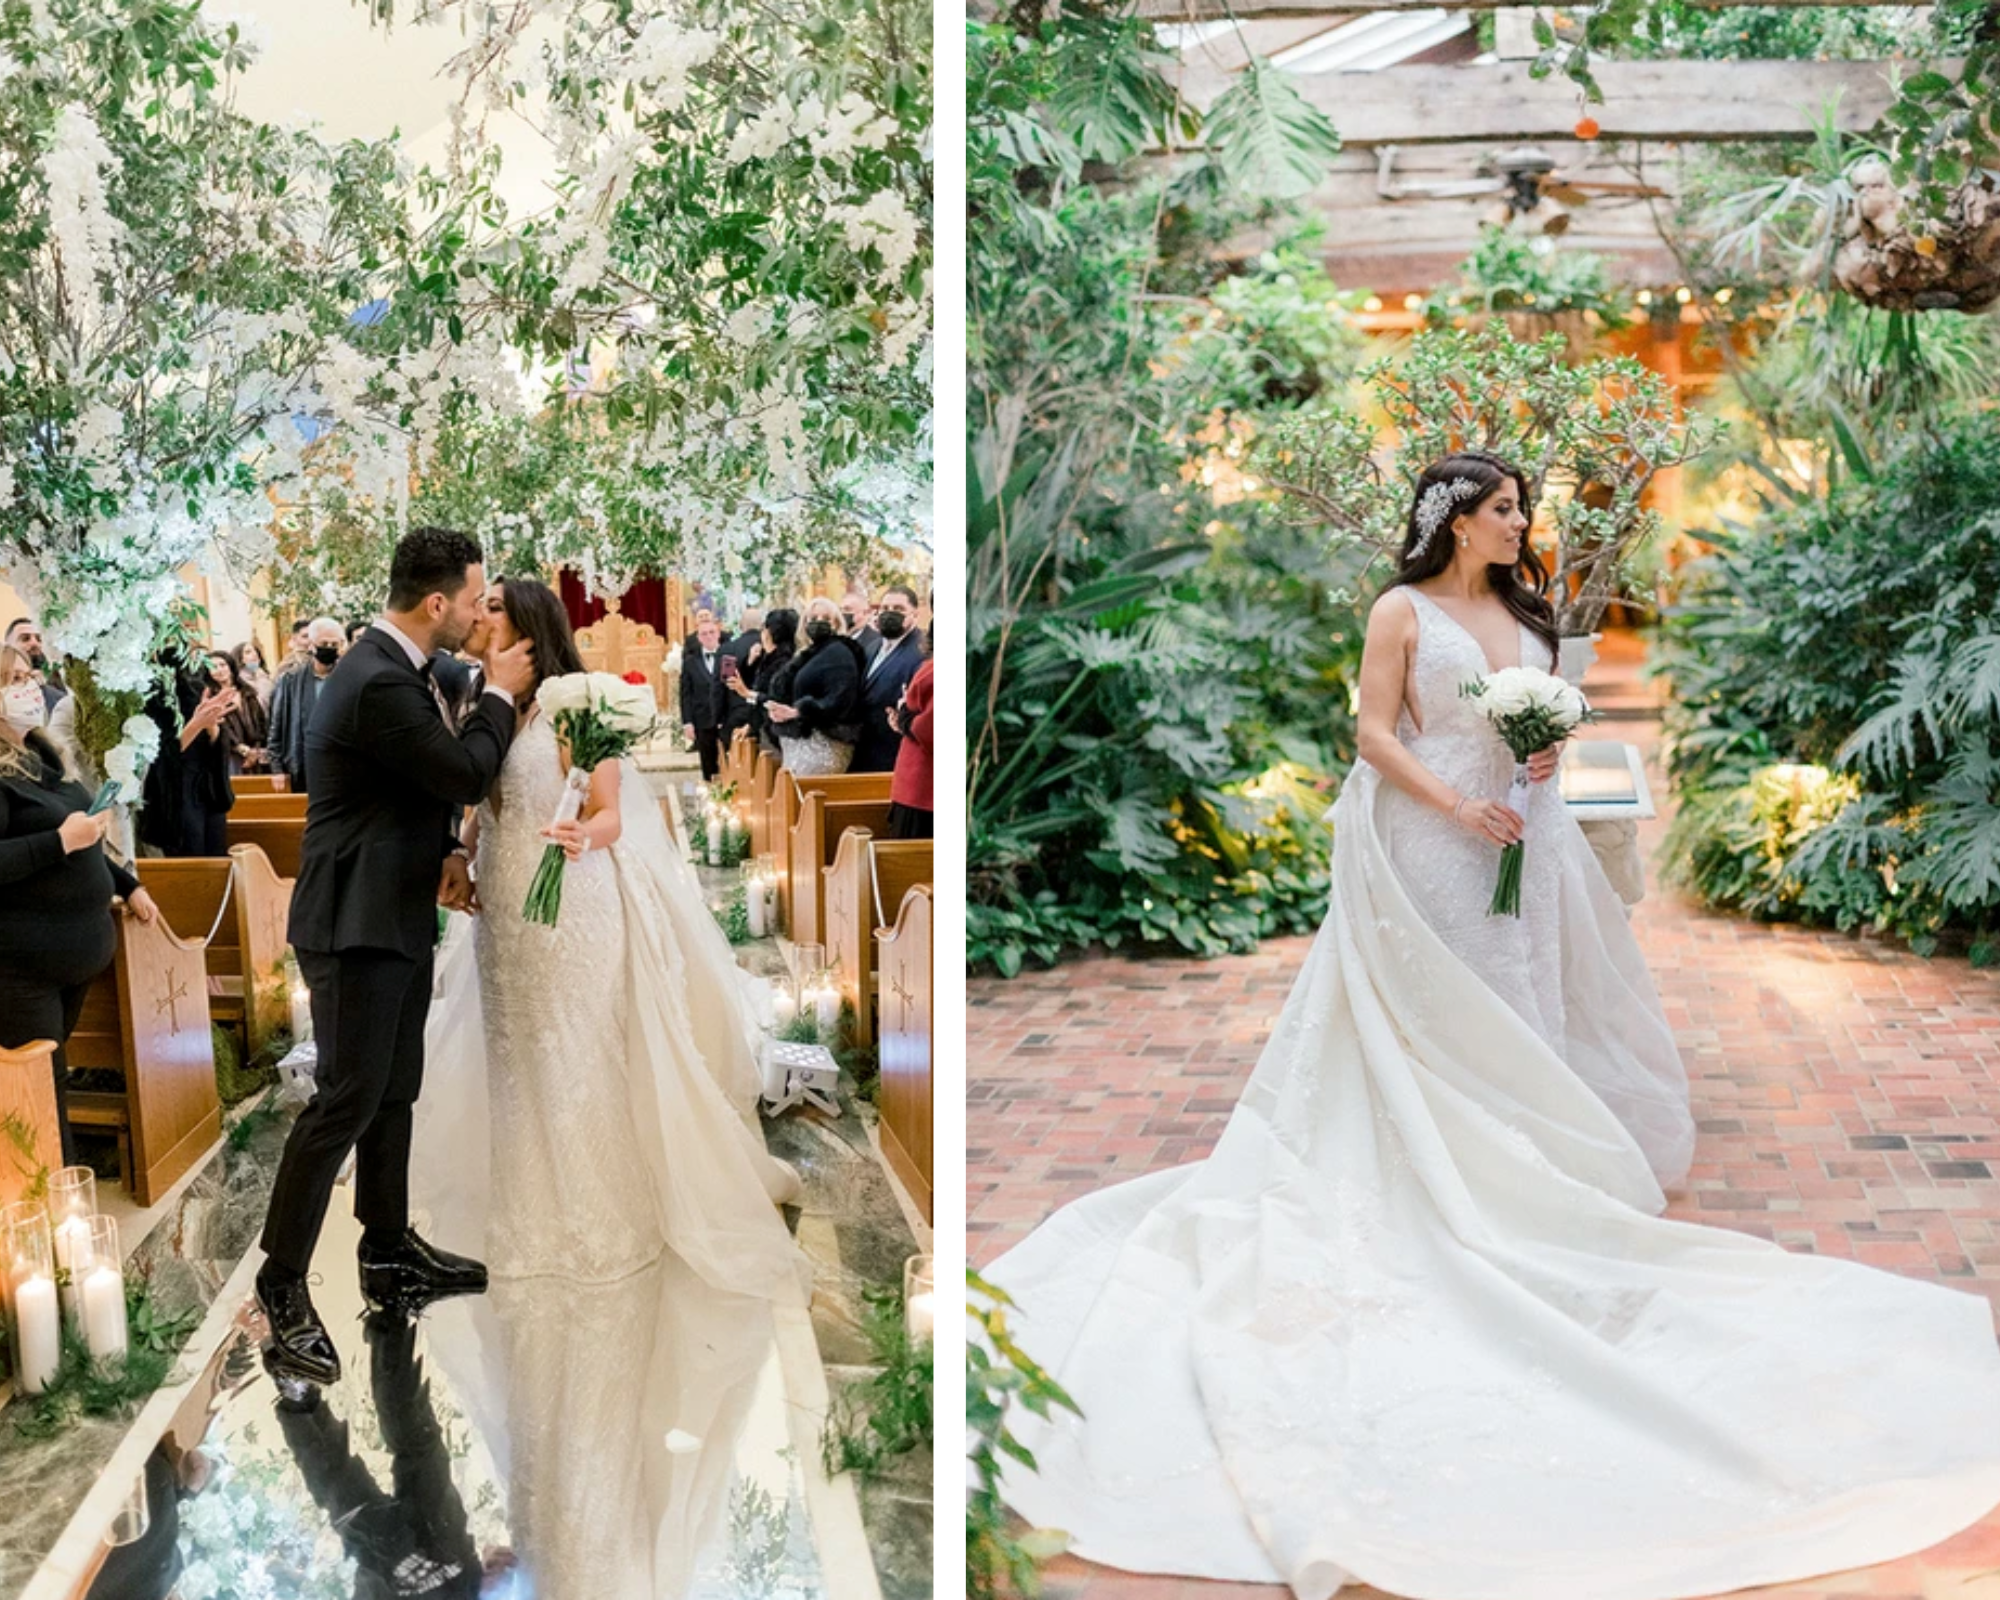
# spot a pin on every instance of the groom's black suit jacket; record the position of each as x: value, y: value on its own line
x: 386, y: 778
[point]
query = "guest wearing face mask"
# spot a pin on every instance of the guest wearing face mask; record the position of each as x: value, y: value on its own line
x: 856, y: 621
x: 777, y: 645
x: 815, y: 702
x: 25, y: 635
x: 59, y: 891
x: 248, y: 660
x: 295, y: 697
x: 890, y: 669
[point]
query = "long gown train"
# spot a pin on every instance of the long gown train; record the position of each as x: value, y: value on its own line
x: 1416, y: 1323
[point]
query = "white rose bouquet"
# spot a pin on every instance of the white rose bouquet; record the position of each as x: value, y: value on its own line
x: 1531, y: 711
x: 599, y: 717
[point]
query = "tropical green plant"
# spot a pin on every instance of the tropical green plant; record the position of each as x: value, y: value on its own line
x: 1596, y: 432
x: 1000, y: 1375
x: 1835, y: 722
x: 1512, y: 272
x: 1135, y: 686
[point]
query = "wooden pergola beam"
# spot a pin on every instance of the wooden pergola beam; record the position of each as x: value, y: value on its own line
x: 1658, y: 100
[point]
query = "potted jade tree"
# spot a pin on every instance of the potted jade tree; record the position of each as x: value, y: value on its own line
x: 1590, y: 436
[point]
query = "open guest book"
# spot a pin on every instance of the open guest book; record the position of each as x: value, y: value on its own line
x: 1604, y: 780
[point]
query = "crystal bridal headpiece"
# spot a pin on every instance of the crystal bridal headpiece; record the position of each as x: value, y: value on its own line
x: 1435, y: 507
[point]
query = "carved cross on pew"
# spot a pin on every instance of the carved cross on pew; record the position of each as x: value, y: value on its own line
x: 177, y: 990
x: 839, y: 905
x: 908, y: 1002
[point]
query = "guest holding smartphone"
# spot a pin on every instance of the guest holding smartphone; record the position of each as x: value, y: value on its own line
x: 59, y: 890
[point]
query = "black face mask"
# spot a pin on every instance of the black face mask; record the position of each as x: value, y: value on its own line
x: 890, y: 625
x: 819, y: 630
x: 326, y: 654
x: 37, y: 660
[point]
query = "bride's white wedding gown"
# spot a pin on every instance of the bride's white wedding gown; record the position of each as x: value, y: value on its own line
x: 606, y: 1066
x: 1416, y: 1322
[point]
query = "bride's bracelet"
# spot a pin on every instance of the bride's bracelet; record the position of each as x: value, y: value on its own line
x: 1455, y: 810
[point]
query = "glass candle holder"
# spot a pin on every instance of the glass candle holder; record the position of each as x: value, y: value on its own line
x: 768, y: 867
x: 72, y: 1203
x: 920, y: 1297
x: 33, y: 1307
x: 753, y: 898
x: 100, y: 1291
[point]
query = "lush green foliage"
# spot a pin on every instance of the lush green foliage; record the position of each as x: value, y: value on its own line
x: 1836, y: 718
x: 1158, y: 664
x: 999, y: 1375
x: 1593, y: 432
x: 1510, y: 272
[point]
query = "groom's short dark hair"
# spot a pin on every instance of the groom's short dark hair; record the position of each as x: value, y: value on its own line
x: 429, y: 561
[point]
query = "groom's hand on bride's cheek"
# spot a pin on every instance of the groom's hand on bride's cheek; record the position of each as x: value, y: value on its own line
x: 513, y: 669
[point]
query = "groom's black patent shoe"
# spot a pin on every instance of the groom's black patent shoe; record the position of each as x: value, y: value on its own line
x: 300, y: 1350
x: 409, y: 1274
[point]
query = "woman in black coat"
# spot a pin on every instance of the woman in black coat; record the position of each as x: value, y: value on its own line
x: 780, y: 644
x: 188, y: 794
x: 58, y: 888
x: 814, y: 703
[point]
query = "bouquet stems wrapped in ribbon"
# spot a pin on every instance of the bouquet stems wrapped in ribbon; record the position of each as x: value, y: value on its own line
x: 599, y: 717
x: 1531, y: 711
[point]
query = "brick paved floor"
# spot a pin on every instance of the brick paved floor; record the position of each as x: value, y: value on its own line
x: 1848, y: 1097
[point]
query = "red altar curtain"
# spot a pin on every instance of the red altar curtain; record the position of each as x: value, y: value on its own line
x: 645, y: 601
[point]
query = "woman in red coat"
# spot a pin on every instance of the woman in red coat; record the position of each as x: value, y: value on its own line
x: 910, y: 788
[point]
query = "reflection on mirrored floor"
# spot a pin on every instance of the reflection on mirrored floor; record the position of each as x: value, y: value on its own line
x: 545, y: 1441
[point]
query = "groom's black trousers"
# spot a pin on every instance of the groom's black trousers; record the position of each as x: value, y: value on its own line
x: 368, y: 1010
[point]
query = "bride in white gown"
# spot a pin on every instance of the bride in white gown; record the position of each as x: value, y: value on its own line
x: 1416, y: 1321
x: 590, y: 1089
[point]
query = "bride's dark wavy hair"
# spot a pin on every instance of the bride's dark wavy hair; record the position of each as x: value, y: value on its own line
x: 1524, y: 587
x: 538, y: 616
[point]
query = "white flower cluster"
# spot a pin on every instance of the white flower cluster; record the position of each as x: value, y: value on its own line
x: 628, y: 707
x: 664, y: 56
x: 78, y: 168
x: 763, y: 136
x: 1513, y: 690
x: 884, y: 221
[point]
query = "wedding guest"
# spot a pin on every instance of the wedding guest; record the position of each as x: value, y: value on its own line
x: 890, y: 668
x: 187, y: 792
x: 59, y: 890
x: 704, y: 700
x: 858, y: 620
x: 354, y: 631
x: 248, y: 659
x: 744, y: 649
x: 815, y: 703
x: 244, y: 729
x: 298, y: 647
x: 25, y: 635
x: 910, y: 806
x: 777, y: 644
x: 295, y: 697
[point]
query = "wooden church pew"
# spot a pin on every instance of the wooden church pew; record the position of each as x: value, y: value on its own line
x: 269, y: 805
x: 908, y: 1025
x: 815, y: 841
x: 28, y: 1095
x: 784, y: 818
x: 864, y: 888
x: 280, y: 838
x: 763, y: 786
x: 248, y: 783
x: 147, y: 1019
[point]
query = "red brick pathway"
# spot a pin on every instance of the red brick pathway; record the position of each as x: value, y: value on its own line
x: 1848, y: 1097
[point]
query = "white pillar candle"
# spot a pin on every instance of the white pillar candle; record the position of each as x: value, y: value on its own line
x: 104, y: 1311
x: 826, y: 1007
x: 302, y: 1017
x: 72, y: 1244
x: 785, y: 1006
x: 37, y: 1332
x: 923, y: 1315
x: 714, y: 841
x: 771, y: 902
x: 753, y: 900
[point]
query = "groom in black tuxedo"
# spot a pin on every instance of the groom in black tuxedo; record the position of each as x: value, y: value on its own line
x: 388, y: 774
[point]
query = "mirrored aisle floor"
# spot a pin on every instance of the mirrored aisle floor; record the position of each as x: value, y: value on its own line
x: 545, y: 1441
